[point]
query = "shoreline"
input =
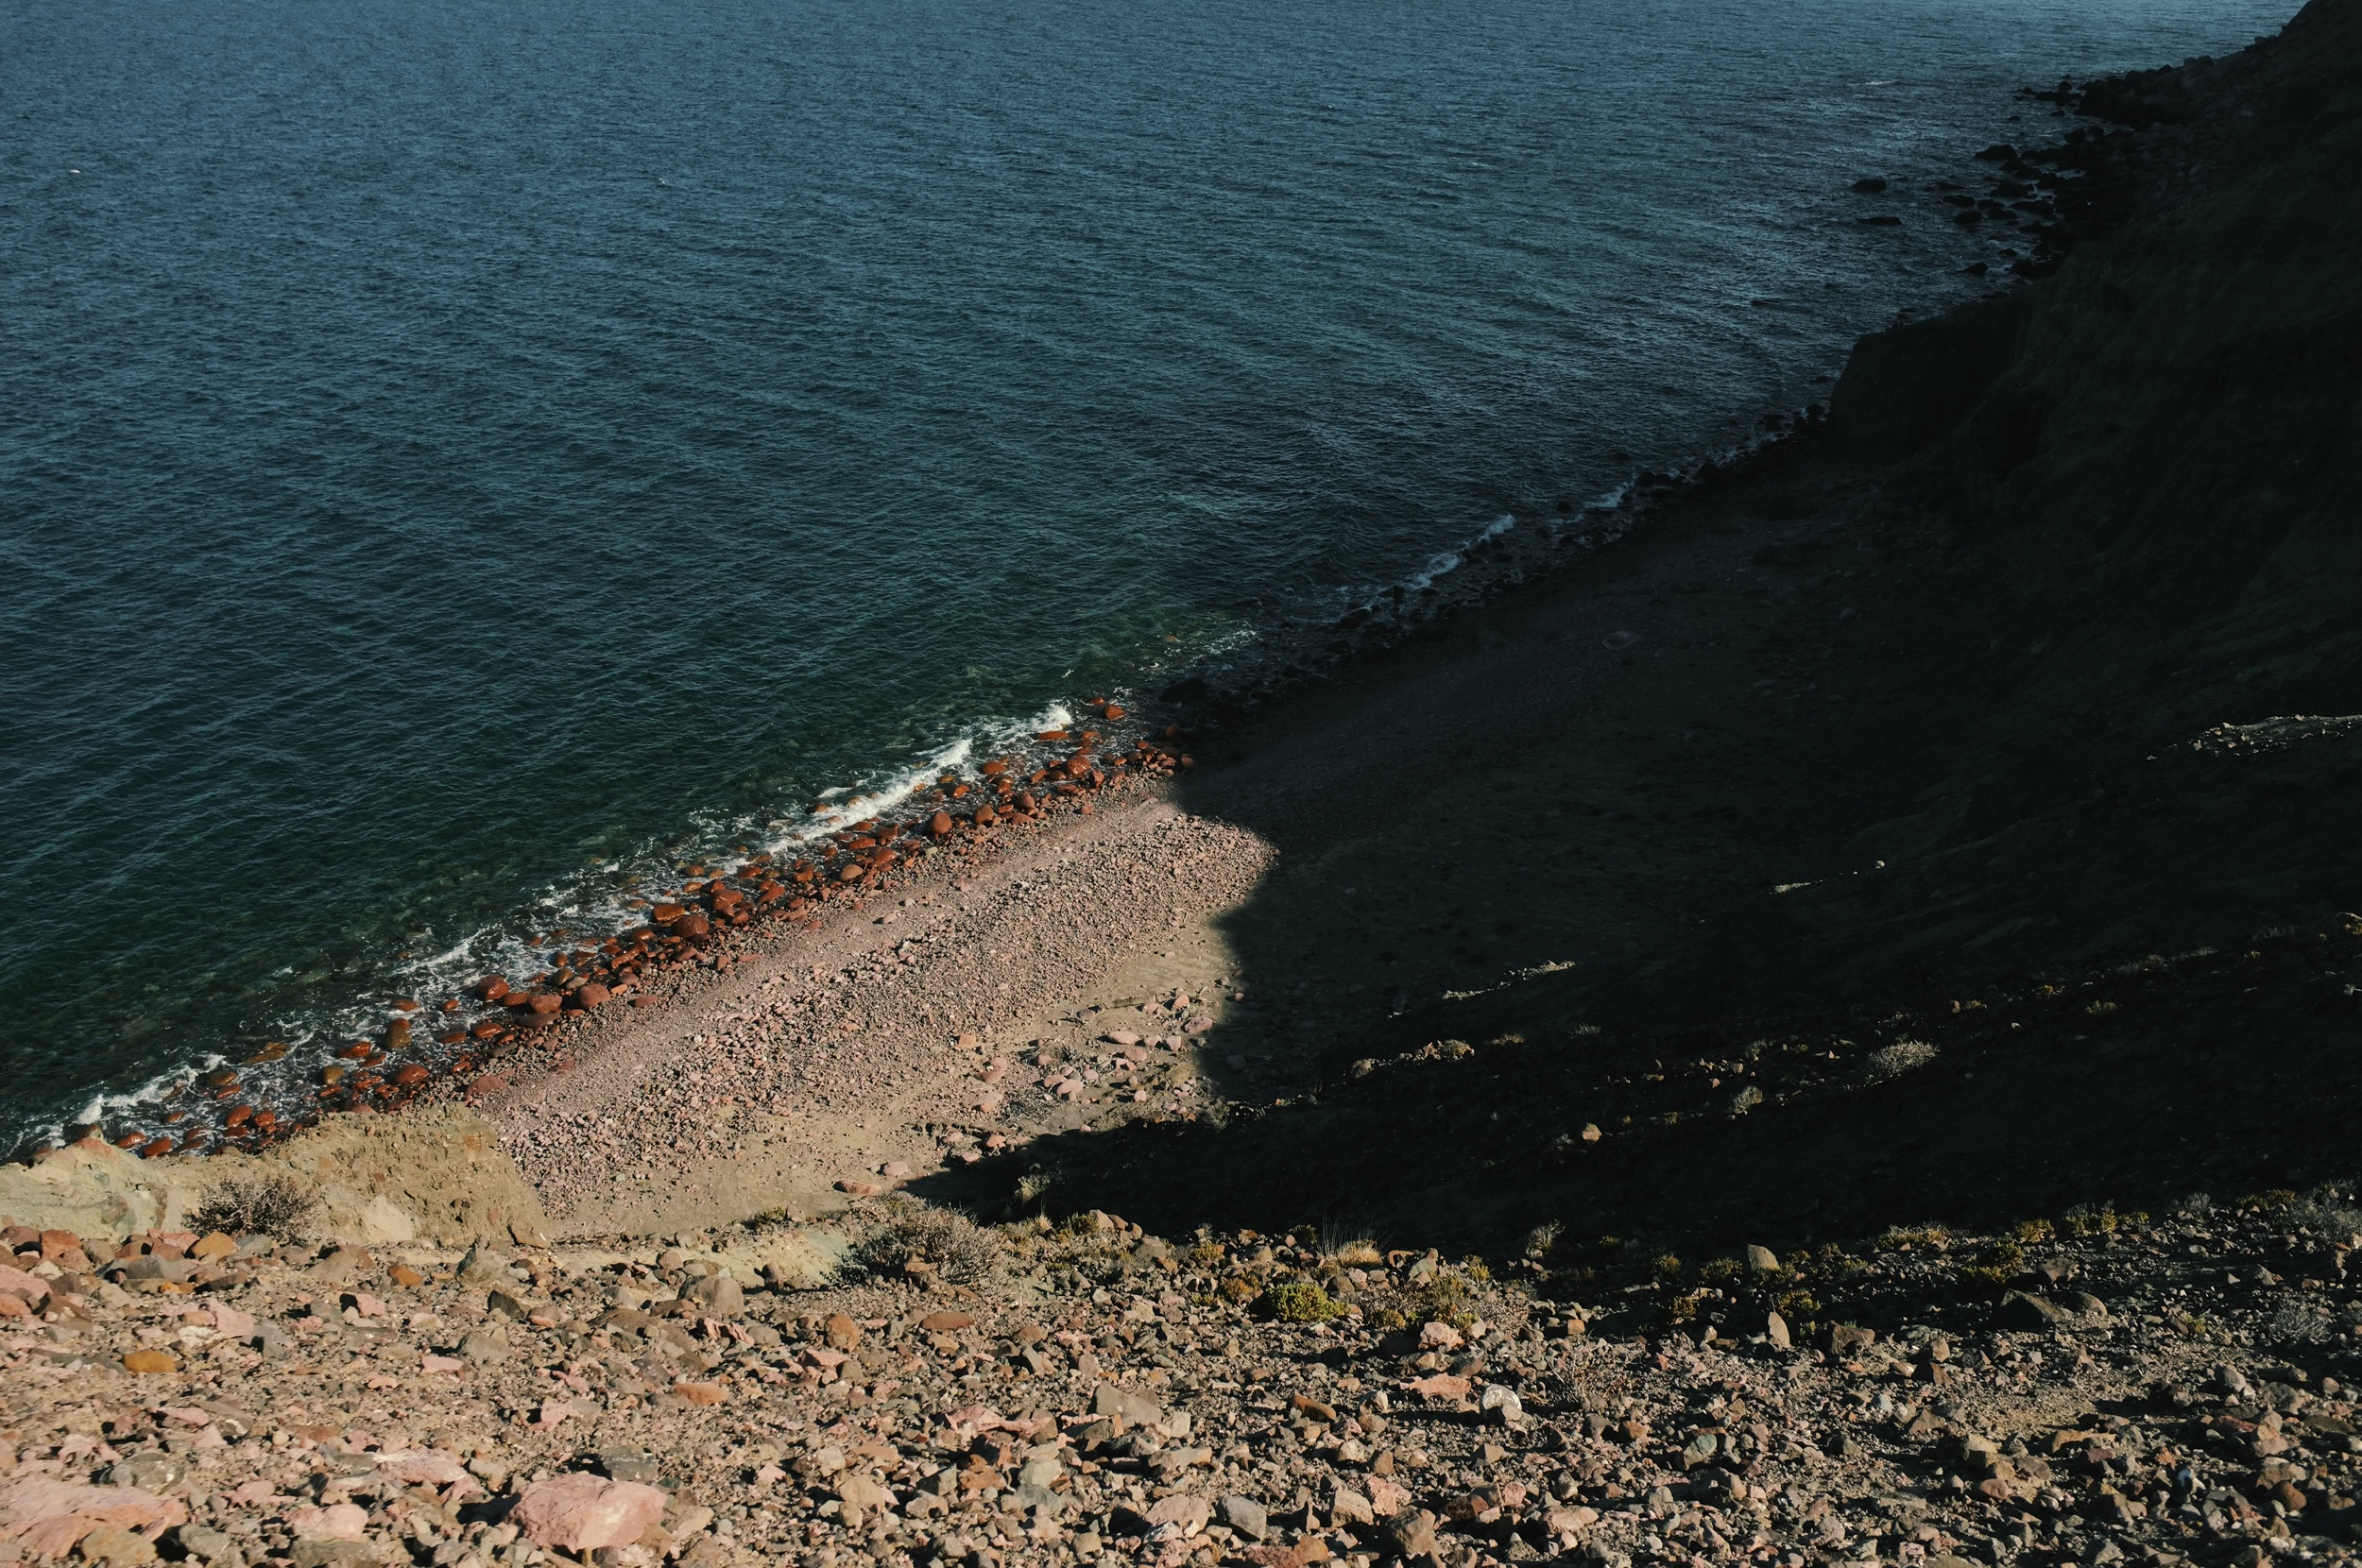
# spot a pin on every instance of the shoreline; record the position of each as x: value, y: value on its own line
x: 171, y: 1110
x: 1858, y: 976
x: 576, y: 1009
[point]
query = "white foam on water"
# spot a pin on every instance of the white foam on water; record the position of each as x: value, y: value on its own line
x: 1450, y: 561
x: 158, y: 1090
x: 589, y: 905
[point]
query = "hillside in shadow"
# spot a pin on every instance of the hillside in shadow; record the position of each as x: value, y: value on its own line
x: 2033, y: 667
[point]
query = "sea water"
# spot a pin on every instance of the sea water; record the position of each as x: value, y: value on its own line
x: 456, y: 457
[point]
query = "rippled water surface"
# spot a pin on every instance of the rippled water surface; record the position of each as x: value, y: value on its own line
x: 453, y: 454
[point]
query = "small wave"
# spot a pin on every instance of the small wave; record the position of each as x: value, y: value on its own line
x: 1447, y: 561
x: 602, y: 899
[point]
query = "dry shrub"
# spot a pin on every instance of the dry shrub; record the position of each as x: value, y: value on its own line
x: 1899, y: 1058
x: 962, y: 1252
x: 2302, y: 1321
x: 265, y: 1205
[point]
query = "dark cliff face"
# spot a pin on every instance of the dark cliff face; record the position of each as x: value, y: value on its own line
x: 2102, y: 627
x: 2151, y: 466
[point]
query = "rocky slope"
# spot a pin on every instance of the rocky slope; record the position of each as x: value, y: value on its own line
x: 1957, y: 861
x: 2102, y: 1386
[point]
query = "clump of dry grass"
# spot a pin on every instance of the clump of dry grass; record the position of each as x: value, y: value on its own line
x: 1899, y: 1058
x: 945, y: 1242
x: 266, y: 1205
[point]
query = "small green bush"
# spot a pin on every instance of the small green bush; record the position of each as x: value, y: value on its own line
x: 1999, y: 1265
x: 1302, y: 1302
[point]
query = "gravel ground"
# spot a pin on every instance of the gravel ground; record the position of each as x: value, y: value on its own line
x: 2106, y: 1388
x: 981, y: 996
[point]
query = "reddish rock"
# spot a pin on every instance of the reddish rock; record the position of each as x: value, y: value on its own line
x: 664, y: 915
x: 589, y: 995
x: 849, y: 873
x: 995, y: 768
x: 985, y: 816
x: 491, y: 1083
x: 484, y: 1031
x: 149, y: 1362
x: 945, y: 1323
x: 409, y: 1074
x: 25, y: 1289
x: 155, y: 1146
x: 941, y: 825
x: 49, y: 1516
x: 543, y: 1002
x: 583, y: 1512
x: 491, y: 988
x: 240, y: 1115
x: 727, y: 900
x: 354, y: 1051
x: 1112, y: 713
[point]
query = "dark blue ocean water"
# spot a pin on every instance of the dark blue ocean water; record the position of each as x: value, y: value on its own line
x: 455, y: 455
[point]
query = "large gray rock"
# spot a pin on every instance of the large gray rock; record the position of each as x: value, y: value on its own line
x: 1126, y: 1407
x: 717, y: 1296
x: 1409, y: 1534
x: 484, y: 1265
x: 1245, y: 1515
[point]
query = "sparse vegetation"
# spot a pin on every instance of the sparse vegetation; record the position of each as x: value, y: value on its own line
x: 1996, y: 1265
x: 1897, y: 1058
x: 949, y: 1244
x: 1302, y: 1302
x: 265, y: 1205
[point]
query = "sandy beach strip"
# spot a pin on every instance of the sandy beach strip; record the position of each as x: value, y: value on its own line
x: 912, y: 1029
x: 1208, y: 939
